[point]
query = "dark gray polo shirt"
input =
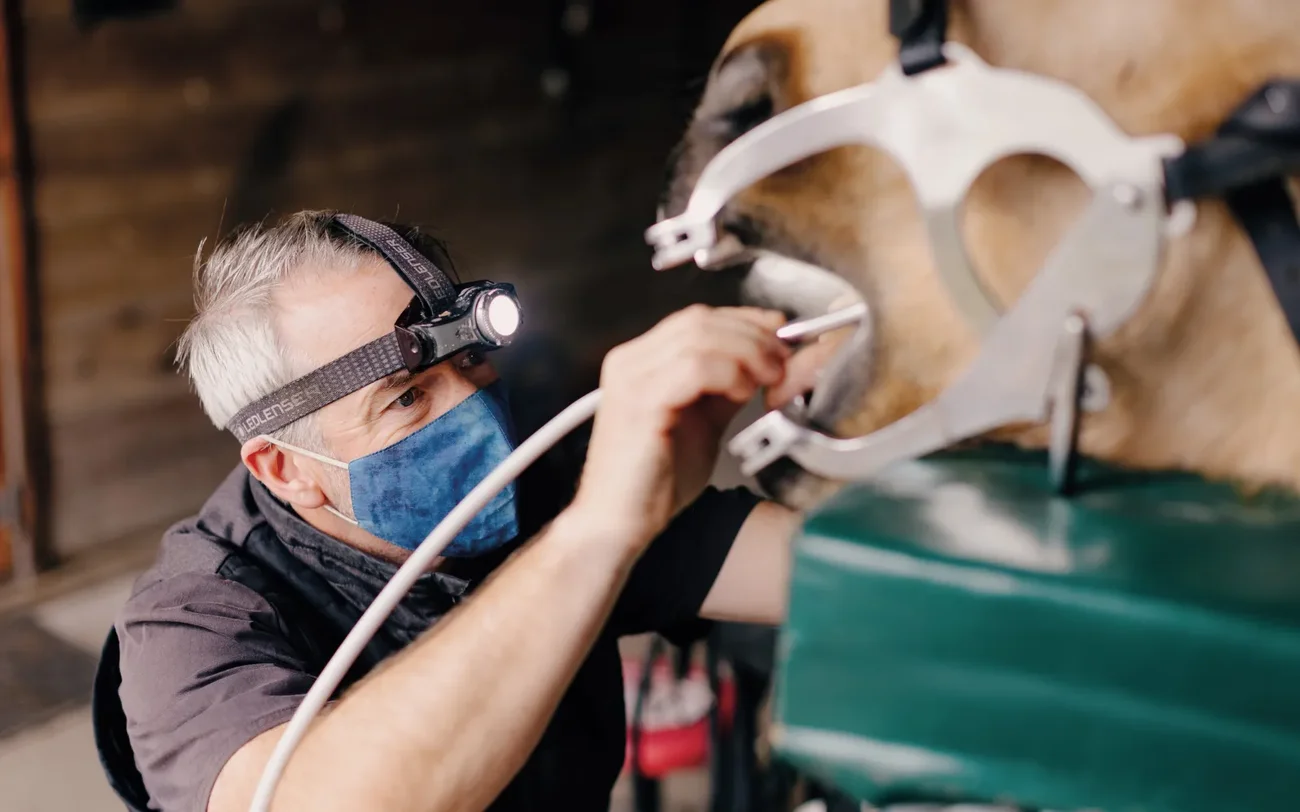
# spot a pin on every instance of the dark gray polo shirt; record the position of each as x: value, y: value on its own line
x: 215, y: 648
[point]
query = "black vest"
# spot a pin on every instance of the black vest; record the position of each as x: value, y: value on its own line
x: 310, y: 606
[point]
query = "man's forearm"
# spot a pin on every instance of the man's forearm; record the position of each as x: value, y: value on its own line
x: 450, y: 723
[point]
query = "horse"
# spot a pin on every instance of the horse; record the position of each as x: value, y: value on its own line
x: 1204, y: 377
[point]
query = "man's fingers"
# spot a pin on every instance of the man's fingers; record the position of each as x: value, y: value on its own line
x: 701, y: 320
x: 765, y: 360
x: 704, y: 374
x: 738, y: 331
x: 760, y: 335
x: 699, y: 351
x: 760, y: 325
x: 803, y: 370
x: 769, y: 320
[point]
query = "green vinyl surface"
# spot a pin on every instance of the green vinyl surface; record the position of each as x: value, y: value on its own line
x: 959, y: 632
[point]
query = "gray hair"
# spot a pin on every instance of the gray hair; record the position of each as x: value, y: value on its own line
x: 232, y: 350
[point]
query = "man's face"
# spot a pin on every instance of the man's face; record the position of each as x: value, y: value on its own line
x: 325, y: 317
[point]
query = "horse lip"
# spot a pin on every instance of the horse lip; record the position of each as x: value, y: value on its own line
x: 799, y: 288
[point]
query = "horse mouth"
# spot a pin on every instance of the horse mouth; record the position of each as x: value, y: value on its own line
x: 827, y: 379
x: 830, y: 374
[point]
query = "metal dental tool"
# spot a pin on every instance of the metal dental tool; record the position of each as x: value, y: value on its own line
x: 806, y: 329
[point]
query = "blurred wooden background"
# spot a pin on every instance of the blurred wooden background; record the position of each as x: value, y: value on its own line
x: 530, y: 135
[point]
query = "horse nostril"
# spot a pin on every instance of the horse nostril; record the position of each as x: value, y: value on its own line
x: 749, y: 115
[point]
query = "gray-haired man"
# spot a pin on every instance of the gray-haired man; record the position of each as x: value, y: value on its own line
x: 511, y: 700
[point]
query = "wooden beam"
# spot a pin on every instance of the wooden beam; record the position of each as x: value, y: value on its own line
x: 18, y: 505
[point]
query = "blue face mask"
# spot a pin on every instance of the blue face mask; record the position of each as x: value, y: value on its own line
x: 401, y: 492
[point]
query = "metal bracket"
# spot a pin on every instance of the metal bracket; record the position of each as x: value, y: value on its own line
x: 1066, y: 401
x: 944, y: 127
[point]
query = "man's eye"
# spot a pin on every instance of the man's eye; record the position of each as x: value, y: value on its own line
x: 408, y: 398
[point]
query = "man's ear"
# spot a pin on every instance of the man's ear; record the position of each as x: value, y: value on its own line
x: 291, y: 477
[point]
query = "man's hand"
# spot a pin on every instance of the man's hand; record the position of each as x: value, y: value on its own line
x: 668, y: 395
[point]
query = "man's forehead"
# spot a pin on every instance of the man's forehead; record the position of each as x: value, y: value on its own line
x: 325, y: 315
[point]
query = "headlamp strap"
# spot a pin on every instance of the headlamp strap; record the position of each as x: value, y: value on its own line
x: 920, y: 26
x: 363, y: 366
x: 317, y: 389
x: 431, y: 285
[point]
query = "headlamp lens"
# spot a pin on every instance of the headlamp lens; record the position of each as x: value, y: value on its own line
x: 503, y: 315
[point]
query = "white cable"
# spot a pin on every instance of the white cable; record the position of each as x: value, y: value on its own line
x: 535, y: 446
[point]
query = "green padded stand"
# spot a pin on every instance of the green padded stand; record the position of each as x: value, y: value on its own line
x: 958, y: 632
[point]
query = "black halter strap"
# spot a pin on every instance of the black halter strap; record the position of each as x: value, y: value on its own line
x: 398, y: 350
x: 1246, y: 163
x: 920, y: 27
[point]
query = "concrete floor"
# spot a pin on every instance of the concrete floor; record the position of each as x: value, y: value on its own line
x: 53, y: 767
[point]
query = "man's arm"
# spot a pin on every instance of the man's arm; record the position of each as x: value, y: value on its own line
x: 725, y: 557
x: 754, y: 582
x: 449, y: 723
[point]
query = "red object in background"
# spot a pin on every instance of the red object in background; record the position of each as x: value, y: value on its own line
x: 675, y: 720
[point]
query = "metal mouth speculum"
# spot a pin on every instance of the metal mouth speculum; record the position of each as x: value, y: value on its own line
x: 944, y: 127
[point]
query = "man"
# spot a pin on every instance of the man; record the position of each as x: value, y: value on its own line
x: 514, y: 699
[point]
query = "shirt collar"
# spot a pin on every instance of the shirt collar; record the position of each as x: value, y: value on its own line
x: 359, y: 576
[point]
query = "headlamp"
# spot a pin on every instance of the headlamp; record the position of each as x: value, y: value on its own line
x: 501, y: 314
x: 443, y: 319
x: 485, y: 316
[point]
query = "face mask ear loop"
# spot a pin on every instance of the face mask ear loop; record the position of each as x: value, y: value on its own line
x: 300, y: 450
x: 319, y: 458
x: 331, y: 510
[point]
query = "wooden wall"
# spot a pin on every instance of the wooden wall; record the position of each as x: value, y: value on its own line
x: 17, y: 349
x: 150, y: 134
